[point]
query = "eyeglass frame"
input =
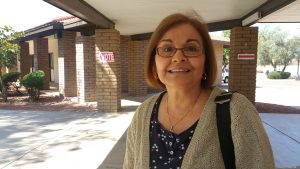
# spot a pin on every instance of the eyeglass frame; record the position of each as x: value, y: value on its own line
x: 182, y: 50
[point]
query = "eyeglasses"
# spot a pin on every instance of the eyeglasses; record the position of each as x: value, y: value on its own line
x: 189, y: 51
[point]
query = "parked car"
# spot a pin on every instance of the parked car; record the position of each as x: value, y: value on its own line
x: 225, y: 75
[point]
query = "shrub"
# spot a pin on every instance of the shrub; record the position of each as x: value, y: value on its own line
x: 33, y: 82
x: 279, y: 75
x: 285, y: 75
x: 10, y: 77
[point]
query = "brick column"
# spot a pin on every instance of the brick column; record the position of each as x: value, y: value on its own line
x: 25, y: 59
x: 137, y: 85
x: 42, y: 59
x: 243, y: 40
x: 67, y: 64
x: 86, y: 68
x: 124, y: 49
x: 108, y: 74
x: 218, y: 48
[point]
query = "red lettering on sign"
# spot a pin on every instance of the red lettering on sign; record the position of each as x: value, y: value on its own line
x: 107, y: 57
x: 246, y: 56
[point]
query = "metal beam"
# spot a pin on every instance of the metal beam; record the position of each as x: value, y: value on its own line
x: 269, y: 7
x: 143, y: 36
x: 224, y: 25
x: 84, y: 11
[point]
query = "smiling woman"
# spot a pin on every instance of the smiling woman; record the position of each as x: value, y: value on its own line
x: 177, y: 128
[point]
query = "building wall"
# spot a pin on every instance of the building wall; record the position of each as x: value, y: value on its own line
x: 53, y: 48
x: 108, y: 74
x: 243, y: 40
x: 218, y: 47
x: 124, y: 49
x: 31, y: 47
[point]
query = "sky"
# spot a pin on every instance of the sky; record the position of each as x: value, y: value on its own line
x: 293, y: 29
x: 26, y: 14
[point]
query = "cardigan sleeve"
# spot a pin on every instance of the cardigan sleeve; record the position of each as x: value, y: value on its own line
x: 130, y: 143
x: 137, y: 153
x: 251, y: 143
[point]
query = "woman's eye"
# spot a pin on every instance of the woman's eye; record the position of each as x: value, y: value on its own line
x: 168, y: 49
x: 191, y: 48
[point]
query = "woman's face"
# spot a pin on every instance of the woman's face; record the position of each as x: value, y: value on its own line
x: 180, y: 71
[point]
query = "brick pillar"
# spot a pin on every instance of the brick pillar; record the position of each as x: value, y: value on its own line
x: 42, y: 59
x: 124, y: 49
x: 137, y: 85
x: 108, y: 74
x: 25, y: 59
x: 243, y: 40
x: 218, y: 48
x: 86, y: 68
x: 67, y: 64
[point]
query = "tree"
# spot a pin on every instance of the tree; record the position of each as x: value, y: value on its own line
x: 8, y: 52
x: 274, y: 48
x: 226, y: 51
x: 292, y: 51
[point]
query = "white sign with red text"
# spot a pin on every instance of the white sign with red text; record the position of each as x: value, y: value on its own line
x: 107, y: 57
x: 246, y: 57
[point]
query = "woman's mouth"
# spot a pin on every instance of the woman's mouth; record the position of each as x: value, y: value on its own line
x: 179, y: 70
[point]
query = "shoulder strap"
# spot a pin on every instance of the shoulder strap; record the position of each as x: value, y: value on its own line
x: 224, y: 129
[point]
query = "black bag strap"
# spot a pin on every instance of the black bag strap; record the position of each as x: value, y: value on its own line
x: 224, y: 129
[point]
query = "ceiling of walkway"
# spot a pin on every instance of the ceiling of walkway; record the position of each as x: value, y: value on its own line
x: 132, y: 17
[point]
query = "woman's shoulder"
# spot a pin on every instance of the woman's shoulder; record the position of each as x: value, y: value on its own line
x: 239, y: 102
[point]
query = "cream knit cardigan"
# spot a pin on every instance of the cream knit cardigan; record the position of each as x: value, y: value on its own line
x: 251, y: 145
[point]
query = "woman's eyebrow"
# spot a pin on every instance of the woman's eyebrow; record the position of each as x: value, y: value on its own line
x: 193, y: 40
x: 165, y: 40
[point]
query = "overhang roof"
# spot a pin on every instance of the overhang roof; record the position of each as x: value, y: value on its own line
x: 142, y: 16
x: 287, y: 14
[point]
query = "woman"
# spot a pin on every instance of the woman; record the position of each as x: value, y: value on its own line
x: 177, y: 128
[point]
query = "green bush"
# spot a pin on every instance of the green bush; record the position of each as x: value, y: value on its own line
x: 279, y: 75
x: 33, y: 82
x: 10, y: 77
x: 285, y: 75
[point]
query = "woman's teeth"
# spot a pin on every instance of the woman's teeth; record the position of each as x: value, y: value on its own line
x: 179, y: 70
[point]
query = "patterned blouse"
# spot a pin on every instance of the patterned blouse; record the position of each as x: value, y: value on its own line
x: 167, y: 149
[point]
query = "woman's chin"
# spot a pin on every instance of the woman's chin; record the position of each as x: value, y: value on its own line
x: 182, y: 83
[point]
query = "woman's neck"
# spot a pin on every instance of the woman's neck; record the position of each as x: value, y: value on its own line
x: 182, y: 100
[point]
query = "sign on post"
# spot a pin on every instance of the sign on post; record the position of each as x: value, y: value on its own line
x: 107, y: 57
x: 246, y: 57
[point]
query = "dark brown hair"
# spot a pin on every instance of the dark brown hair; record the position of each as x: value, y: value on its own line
x: 164, y: 26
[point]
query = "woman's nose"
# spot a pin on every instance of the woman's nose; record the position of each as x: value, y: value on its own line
x: 179, y: 57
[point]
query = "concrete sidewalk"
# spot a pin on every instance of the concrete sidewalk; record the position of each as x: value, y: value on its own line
x: 41, y: 139
x: 37, y: 139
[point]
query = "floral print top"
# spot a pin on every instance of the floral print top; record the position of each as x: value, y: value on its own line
x: 167, y: 149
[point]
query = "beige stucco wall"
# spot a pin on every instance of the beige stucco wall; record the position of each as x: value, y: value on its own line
x: 219, y: 58
x: 31, y: 47
x: 53, y: 48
